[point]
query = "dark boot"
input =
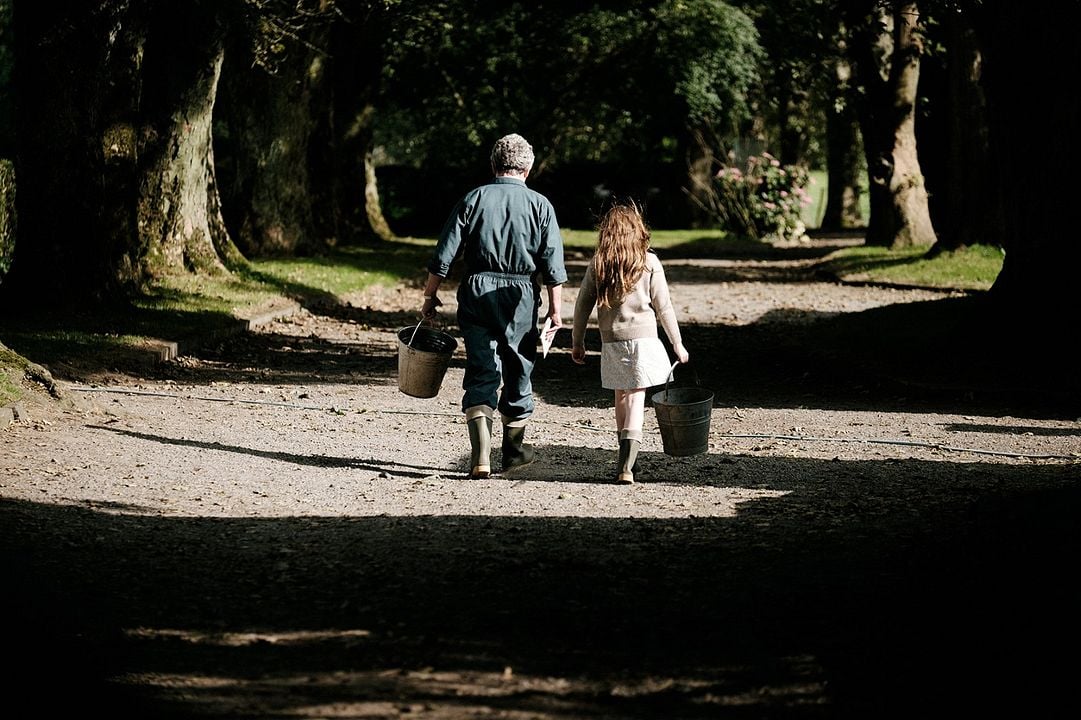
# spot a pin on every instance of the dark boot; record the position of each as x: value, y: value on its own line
x: 629, y: 441
x: 515, y: 451
x: 480, y: 446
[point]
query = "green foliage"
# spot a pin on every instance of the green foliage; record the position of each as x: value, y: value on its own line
x: 763, y: 200
x: 276, y: 29
x: 712, y: 53
x: 615, y: 97
x: 800, y: 84
x: 583, y: 82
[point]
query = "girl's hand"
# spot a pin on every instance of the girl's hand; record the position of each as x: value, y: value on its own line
x: 681, y: 353
x: 578, y: 354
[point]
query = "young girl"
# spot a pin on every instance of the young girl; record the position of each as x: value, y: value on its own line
x: 626, y: 283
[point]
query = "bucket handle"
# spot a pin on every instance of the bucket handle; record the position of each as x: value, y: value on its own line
x: 431, y: 321
x: 672, y: 375
x: 414, y: 333
x: 410, y: 343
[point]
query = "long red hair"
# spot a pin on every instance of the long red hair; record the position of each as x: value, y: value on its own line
x: 620, y: 259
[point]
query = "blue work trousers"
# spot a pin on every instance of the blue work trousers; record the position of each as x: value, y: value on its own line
x: 497, y: 316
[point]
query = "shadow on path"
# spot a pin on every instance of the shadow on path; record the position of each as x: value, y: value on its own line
x: 852, y: 592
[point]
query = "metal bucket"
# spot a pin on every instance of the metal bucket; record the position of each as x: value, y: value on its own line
x: 683, y: 416
x: 423, y: 358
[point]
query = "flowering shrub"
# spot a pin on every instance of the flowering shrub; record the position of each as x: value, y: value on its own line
x: 763, y: 201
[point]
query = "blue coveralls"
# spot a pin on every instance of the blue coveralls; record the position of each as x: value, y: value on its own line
x: 509, y: 240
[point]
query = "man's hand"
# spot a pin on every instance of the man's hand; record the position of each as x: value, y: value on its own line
x: 431, y: 302
x: 578, y: 354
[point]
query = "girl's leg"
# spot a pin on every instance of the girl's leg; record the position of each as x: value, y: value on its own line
x: 631, y: 410
x: 621, y: 408
x: 630, y: 417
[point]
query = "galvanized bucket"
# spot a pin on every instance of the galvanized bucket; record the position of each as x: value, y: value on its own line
x: 423, y: 358
x: 683, y: 415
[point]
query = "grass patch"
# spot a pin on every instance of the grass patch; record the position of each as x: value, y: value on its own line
x: 268, y: 281
x: 971, y: 268
x: 347, y: 269
x: 190, y: 308
x: 705, y: 243
x: 12, y: 367
x: 817, y: 188
x: 226, y: 294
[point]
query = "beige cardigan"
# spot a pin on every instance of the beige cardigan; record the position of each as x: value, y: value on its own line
x: 636, y: 316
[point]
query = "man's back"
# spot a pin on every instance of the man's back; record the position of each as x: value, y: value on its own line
x: 506, y: 227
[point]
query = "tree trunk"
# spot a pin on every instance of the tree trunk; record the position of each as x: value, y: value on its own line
x: 788, y: 138
x: 266, y: 122
x: 77, y: 90
x: 8, y: 216
x: 792, y: 105
x: 373, y: 208
x: 353, y: 198
x: 702, y: 165
x: 231, y: 256
x: 843, y: 162
x: 1034, y: 143
x: 957, y: 163
x: 114, y: 158
x: 373, y: 224
x: 900, y: 216
x: 176, y: 215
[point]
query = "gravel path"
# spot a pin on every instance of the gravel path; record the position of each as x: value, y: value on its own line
x: 269, y: 528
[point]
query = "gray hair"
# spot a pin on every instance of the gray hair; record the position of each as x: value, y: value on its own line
x: 512, y: 152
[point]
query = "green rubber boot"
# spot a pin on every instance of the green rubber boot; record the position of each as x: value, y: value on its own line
x: 479, y: 423
x: 629, y: 441
x: 515, y: 450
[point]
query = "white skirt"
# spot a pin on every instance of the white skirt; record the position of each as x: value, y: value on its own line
x: 632, y: 364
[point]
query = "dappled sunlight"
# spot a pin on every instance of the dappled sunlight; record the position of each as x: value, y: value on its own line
x: 456, y: 687
x: 239, y: 639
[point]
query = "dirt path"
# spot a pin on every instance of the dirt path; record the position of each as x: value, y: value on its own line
x: 269, y: 528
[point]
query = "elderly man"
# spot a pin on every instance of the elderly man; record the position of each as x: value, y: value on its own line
x: 508, y: 239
